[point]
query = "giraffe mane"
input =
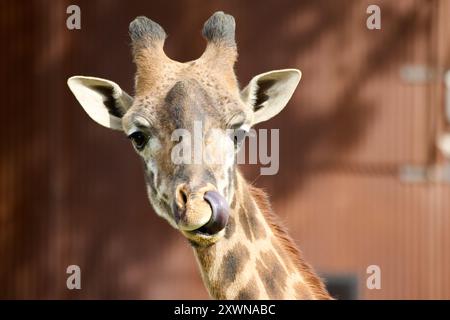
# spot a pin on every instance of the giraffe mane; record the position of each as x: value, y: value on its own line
x: 261, y: 198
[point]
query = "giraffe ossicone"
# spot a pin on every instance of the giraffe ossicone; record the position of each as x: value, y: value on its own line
x: 242, y: 251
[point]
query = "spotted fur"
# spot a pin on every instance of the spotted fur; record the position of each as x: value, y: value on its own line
x: 252, y: 257
x: 266, y: 266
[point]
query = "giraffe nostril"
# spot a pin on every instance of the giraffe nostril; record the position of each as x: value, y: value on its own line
x: 200, y: 210
x: 183, y: 197
x: 220, y: 213
x: 179, y: 205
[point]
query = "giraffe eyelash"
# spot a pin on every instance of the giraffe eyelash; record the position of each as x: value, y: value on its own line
x: 139, y: 139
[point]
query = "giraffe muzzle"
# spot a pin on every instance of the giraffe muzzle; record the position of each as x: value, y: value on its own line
x: 203, y: 212
x: 220, y: 213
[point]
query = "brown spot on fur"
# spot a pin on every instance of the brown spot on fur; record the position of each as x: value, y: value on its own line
x: 253, y: 228
x: 249, y: 292
x: 312, y: 280
x: 205, y: 257
x: 216, y: 290
x: 256, y: 227
x: 272, y: 274
x: 233, y: 202
x: 232, y: 264
x: 230, y: 228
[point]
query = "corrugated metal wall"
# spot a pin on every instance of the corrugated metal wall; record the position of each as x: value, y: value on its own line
x: 73, y: 193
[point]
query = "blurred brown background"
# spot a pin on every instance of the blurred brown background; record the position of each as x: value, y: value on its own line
x: 72, y: 192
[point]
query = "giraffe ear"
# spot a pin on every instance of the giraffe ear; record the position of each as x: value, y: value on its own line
x: 103, y: 100
x: 268, y: 93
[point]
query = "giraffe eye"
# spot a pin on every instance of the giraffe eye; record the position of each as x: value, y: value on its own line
x: 238, y: 136
x: 139, y: 139
x: 239, y: 132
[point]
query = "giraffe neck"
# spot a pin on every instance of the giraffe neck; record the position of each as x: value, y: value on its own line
x: 256, y: 259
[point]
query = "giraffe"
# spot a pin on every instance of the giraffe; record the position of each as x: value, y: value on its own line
x: 241, y: 249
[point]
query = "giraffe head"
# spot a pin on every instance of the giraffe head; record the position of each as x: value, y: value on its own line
x: 178, y: 106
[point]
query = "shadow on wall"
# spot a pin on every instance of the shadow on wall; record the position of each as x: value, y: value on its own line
x: 328, y: 136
